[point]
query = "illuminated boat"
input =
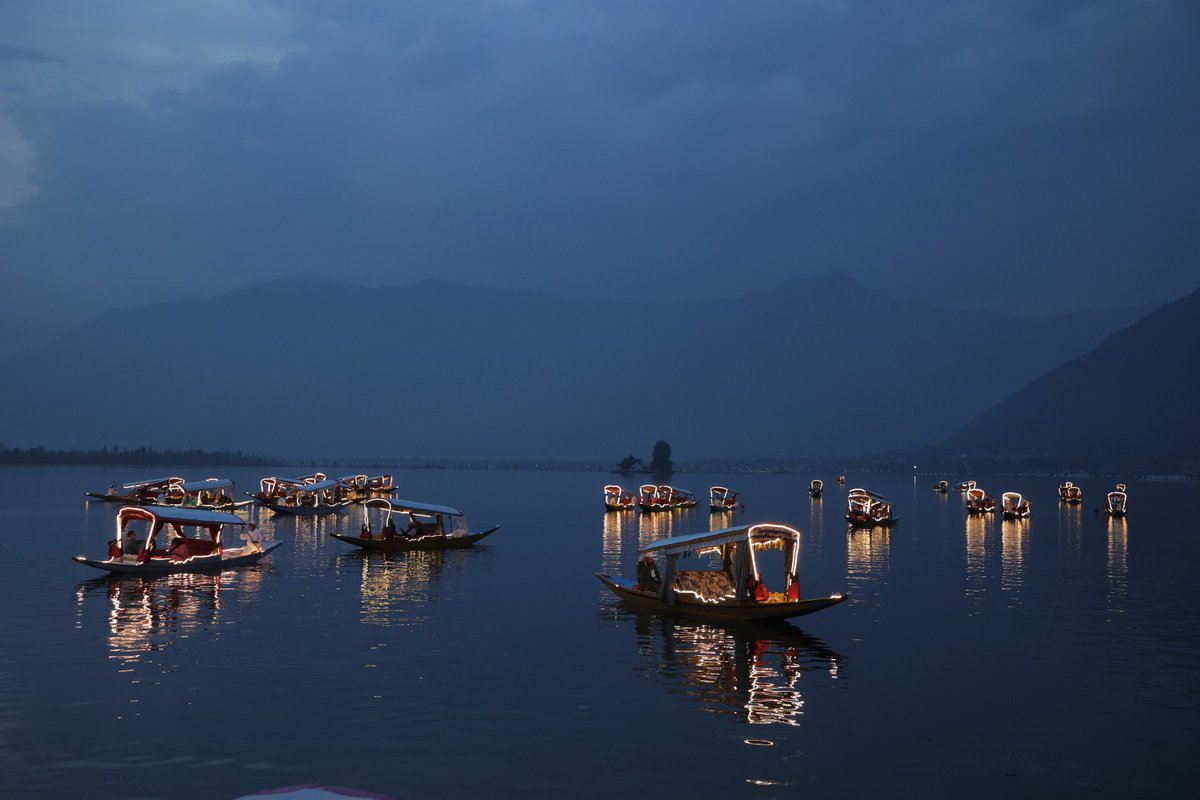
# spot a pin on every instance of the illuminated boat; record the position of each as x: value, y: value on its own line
x: 722, y: 499
x: 211, y: 493
x: 866, y: 509
x: 841, y: 480
x: 618, y: 498
x: 178, y: 540
x: 966, y: 486
x: 816, y: 487
x: 1014, y: 506
x: 272, y: 489
x: 735, y: 591
x: 309, y: 499
x: 664, y: 498
x: 1070, y: 493
x: 979, y: 501
x: 425, y: 527
x: 941, y: 487
x: 1116, y: 502
x: 137, y: 492
x: 380, y: 485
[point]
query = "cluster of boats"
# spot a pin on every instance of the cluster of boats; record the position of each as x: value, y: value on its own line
x: 1015, y: 506
x: 651, y: 498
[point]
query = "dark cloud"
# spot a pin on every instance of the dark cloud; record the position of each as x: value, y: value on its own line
x: 957, y: 152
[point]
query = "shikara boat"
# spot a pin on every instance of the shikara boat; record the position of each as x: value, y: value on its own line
x: 1116, y: 502
x: 273, y: 488
x: 309, y: 499
x: 816, y: 487
x: 841, y: 480
x: 137, y: 492
x: 966, y: 486
x: 866, y: 509
x: 722, y: 499
x: 1014, y: 506
x: 664, y: 498
x: 979, y: 501
x: 178, y: 540
x: 941, y: 487
x: 211, y: 493
x: 1070, y: 493
x: 735, y: 591
x: 425, y: 527
x: 618, y: 498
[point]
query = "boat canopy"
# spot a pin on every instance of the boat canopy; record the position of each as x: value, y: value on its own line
x: 762, y: 535
x: 415, y: 506
x: 976, y: 494
x: 183, y: 516
x: 1012, y: 497
x: 612, y: 487
x: 152, y: 482
x: 315, y: 486
x: 355, y: 481
x: 867, y: 493
x: 206, y: 485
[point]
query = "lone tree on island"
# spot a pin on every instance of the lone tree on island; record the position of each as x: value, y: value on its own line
x: 626, y: 464
x: 660, y: 459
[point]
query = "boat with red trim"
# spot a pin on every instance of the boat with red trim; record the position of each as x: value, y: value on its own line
x: 425, y: 527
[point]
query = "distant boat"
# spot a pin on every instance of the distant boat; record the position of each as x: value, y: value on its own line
x: 866, y: 509
x: 941, y: 487
x: 425, y: 527
x: 1014, y: 506
x: 273, y: 488
x: 735, y: 591
x: 357, y: 488
x: 1116, y: 502
x: 966, y: 486
x: 137, y: 492
x: 212, y: 493
x: 1070, y: 493
x: 979, y: 501
x: 309, y: 499
x: 618, y: 498
x: 195, y: 542
x: 841, y: 480
x: 815, y: 487
x: 722, y: 499
x: 664, y: 498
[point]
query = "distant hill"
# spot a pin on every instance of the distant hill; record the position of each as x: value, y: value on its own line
x: 1131, y: 400
x: 312, y: 367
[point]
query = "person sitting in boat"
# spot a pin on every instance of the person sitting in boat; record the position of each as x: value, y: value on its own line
x: 647, y: 575
x: 111, y: 491
x: 759, y: 592
x: 132, y: 545
x: 364, y: 532
x: 413, y: 529
x: 389, y: 530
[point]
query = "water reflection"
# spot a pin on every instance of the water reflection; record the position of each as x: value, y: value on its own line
x: 816, y: 526
x: 620, y: 539
x: 1014, y: 549
x: 1070, y: 527
x: 751, y: 672
x: 395, y: 587
x: 868, y: 554
x: 1118, y: 559
x: 978, y: 532
x: 664, y: 525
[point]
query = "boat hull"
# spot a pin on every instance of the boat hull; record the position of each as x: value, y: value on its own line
x: 612, y: 507
x: 872, y: 523
x: 746, y: 612
x: 1016, y: 515
x: 165, y: 566
x: 305, y: 511
x: 401, y: 544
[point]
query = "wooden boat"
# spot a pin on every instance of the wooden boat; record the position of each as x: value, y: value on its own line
x: 309, y: 499
x: 979, y: 501
x: 941, y: 487
x: 664, y: 498
x: 137, y: 492
x: 966, y: 486
x: 426, y: 527
x: 1070, y: 493
x: 212, y: 493
x: 1014, y: 506
x: 816, y: 487
x: 380, y: 485
x: 1116, y: 502
x: 722, y: 499
x: 735, y: 591
x: 272, y: 488
x: 866, y: 509
x: 178, y: 540
x: 841, y: 480
x: 618, y: 498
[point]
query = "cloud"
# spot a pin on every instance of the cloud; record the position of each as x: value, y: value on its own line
x: 10, y: 52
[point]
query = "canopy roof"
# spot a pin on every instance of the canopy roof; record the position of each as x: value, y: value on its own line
x: 151, y: 482
x: 612, y: 487
x: 413, y: 505
x: 208, y: 484
x: 1012, y: 496
x: 188, y: 516
x: 317, y: 486
x: 869, y: 494
x: 684, y: 544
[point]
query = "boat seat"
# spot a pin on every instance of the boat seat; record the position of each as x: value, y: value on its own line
x: 705, y: 584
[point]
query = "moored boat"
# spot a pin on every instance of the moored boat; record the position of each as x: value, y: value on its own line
x: 941, y: 487
x: 866, y: 509
x: 425, y: 527
x: 211, y: 493
x: 664, y: 498
x: 137, y: 492
x: 1070, y: 493
x: 966, y: 486
x: 979, y: 501
x: 816, y: 487
x: 618, y: 498
x: 1116, y: 502
x: 841, y: 480
x: 178, y: 540
x: 735, y: 591
x: 721, y: 499
x: 309, y: 499
x: 1014, y: 506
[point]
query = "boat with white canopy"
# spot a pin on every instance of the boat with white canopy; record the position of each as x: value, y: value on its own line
x: 979, y: 501
x: 734, y: 591
x: 816, y: 487
x: 664, y: 498
x: 966, y: 486
x: 309, y: 499
x: 178, y: 540
x: 1116, y: 502
x: 137, y: 492
x: 272, y: 488
x: 1070, y: 493
x: 1014, y: 506
x: 941, y: 487
x: 618, y: 498
x: 213, y: 493
x: 397, y: 525
x: 722, y: 499
x: 865, y: 509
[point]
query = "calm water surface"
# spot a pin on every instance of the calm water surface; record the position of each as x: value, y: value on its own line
x: 1055, y: 657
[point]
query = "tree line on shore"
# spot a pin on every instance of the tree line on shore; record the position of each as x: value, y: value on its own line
x: 134, y: 455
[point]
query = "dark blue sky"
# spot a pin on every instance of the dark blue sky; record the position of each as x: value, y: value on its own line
x: 1002, y: 154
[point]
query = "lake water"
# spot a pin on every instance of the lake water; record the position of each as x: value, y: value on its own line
x: 1055, y: 657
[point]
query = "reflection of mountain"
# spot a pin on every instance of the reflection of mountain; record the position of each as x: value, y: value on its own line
x: 750, y: 672
x: 144, y: 616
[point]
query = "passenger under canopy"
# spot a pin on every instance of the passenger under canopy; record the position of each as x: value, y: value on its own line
x: 385, y: 519
x: 191, y: 532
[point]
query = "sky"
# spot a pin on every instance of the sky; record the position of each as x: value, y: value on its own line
x: 1022, y: 154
